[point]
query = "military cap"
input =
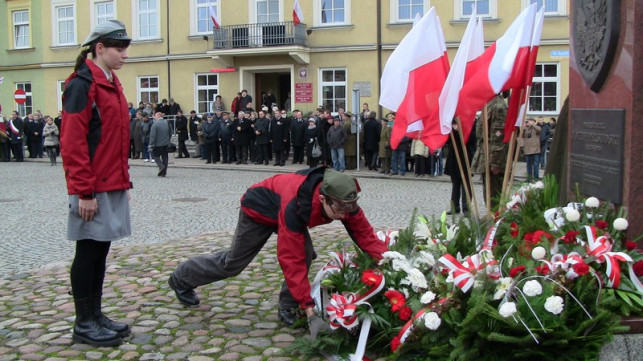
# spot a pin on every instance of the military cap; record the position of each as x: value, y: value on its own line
x: 110, y: 29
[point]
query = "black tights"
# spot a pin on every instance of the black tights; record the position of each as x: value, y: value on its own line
x: 88, y: 268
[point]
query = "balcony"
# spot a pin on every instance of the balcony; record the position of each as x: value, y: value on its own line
x: 271, y: 38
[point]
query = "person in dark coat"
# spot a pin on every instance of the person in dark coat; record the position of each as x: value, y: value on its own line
x: 211, y: 129
x: 182, y: 134
x: 225, y: 138
x: 16, y: 134
x: 298, y: 137
x: 372, y: 130
x: 458, y: 195
x: 313, y: 139
x: 262, y: 139
x: 241, y: 136
x: 193, y: 122
x: 245, y: 101
x: 279, y: 131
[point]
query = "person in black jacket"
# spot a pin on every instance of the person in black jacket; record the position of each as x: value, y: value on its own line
x: 458, y: 195
x: 279, y: 137
x: 372, y: 130
x: 210, y: 131
x: 298, y: 137
x: 16, y: 134
x: 182, y: 134
x: 225, y: 138
x: 262, y: 139
x: 241, y: 136
x: 313, y: 139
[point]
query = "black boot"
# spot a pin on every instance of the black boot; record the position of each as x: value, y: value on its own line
x: 122, y: 329
x: 88, y: 330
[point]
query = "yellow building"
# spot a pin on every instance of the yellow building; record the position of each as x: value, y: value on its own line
x: 341, y: 45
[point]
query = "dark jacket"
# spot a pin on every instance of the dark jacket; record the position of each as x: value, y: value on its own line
x: 193, y: 121
x: 241, y: 132
x: 298, y: 132
x: 313, y: 137
x: 226, y: 130
x: 182, y: 127
x: 262, y: 125
x: 336, y: 137
x: 211, y: 131
x: 278, y: 133
x: 372, y: 130
x: 451, y: 165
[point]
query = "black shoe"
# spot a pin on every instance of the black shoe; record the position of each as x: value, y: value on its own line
x: 208, y: 162
x: 276, y: 164
x: 122, y: 329
x: 186, y: 296
x: 87, y: 328
x: 457, y: 211
x: 465, y: 212
x: 287, y: 316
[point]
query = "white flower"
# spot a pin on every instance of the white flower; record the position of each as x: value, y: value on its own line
x: 422, y: 230
x: 592, y: 202
x: 554, y: 304
x: 515, y: 199
x: 449, y: 278
x: 507, y: 309
x: 572, y: 215
x: 451, y: 232
x: 415, y: 278
x: 532, y: 288
x: 620, y: 224
x: 401, y: 265
x: 424, y: 258
x: 427, y: 298
x: 537, y: 185
x: 503, y: 285
x: 432, y: 321
x: 538, y: 253
x: 393, y: 255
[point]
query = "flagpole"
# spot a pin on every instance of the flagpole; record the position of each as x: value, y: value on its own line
x: 487, y: 168
x: 512, y: 145
x: 471, y: 195
x: 517, y: 153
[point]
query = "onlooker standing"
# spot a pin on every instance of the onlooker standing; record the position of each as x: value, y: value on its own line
x: 372, y: 132
x: 146, y: 126
x: 5, y: 147
x: 245, y: 101
x: 398, y: 157
x: 531, y: 148
x: 313, y: 142
x: 211, y: 129
x: 350, y: 146
x: 160, y: 134
x: 50, y: 133
x: 225, y: 138
x: 544, y: 137
x: 94, y: 146
x: 193, y: 122
x: 336, y: 137
x: 298, y: 137
x: 262, y: 139
x: 16, y: 134
x: 278, y: 138
x: 384, y: 151
x: 182, y: 134
x: 420, y: 154
x: 217, y: 105
x: 241, y: 137
x: 173, y: 107
x: 458, y: 195
x: 132, y: 125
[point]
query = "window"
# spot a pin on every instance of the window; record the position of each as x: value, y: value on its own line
x: 20, y: 29
x: 207, y: 87
x: 104, y: 11
x: 331, y: 12
x: 65, y: 25
x: 333, y: 89
x: 267, y: 11
x: 148, y: 89
x: 552, y: 7
x: 405, y: 10
x: 203, y: 21
x: 60, y: 88
x: 26, y: 107
x: 484, y: 8
x: 545, y: 92
x: 148, y: 19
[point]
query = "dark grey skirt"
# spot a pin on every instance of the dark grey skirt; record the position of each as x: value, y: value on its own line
x: 111, y: 222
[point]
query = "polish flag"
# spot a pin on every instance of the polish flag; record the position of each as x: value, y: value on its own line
x: 495, y: 67
x: 297, y: 14
x: 215, y: 18
x: 413, y: 78
x: 518, y: 99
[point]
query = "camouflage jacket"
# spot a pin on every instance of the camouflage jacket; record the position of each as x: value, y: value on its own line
x: 497, y: 113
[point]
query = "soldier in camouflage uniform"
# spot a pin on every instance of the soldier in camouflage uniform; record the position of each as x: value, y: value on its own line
x: 497, y: 113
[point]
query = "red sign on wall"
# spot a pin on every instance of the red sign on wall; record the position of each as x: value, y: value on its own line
x: 303, y: 92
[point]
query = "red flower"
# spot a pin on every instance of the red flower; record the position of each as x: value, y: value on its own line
x: 396, y: 298
x: 516, y: 271
x: 601, y: 224
x: 581, y: 269
x: 543, y: 270
x: 514, y: 230
x: 630, y: 245
x: 570, y: 237
x: 395, y: 343
x: 638, y: 268
x: 405, y: 313
x: 371, y: 278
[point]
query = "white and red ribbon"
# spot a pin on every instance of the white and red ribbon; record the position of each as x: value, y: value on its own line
x: 463, y: 273
x: 14, y: 130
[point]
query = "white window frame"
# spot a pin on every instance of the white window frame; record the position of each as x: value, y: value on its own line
x: 60, y: 88
x: 26, y: 107
x: 317, y: 17
x: 194, y: 15
x: 562, y: 7
x: 136, y: 25
x: 458, y: 8
x: 395, y: 8
x: 17, y: 44
x: 55, y: 4
x: 148, y: 90
x: 207, y: 88
x: 96, y: 17
x: 548, y: 79
x: 333, y: 83
x: 252, y: 5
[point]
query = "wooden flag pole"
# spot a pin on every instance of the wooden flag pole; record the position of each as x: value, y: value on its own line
x: 470, y: 195
x: 517, y: 153
x: 465, y: 178
x: 509, y: 161
x: 487, y: 168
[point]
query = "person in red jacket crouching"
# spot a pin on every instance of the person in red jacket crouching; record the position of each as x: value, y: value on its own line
x: 285, y: 204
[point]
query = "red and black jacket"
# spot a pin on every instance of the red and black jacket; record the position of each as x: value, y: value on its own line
x: 290, y: 202
x: 94, y: 139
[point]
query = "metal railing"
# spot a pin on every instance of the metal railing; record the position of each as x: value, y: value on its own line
x: 259, y: 35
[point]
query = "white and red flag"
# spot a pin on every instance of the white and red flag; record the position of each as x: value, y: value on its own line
x: 215, y: 18
x: 495, y: 67
x: 297, y: 14
x: 518, y: 99
x: 413, y: 78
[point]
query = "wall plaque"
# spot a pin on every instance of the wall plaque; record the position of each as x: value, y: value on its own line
x: 596, y: 152
x: 364, y: 88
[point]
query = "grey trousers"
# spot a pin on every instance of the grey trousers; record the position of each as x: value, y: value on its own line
x: 249, y: 239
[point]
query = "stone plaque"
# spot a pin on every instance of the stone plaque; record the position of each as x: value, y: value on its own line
x: 364, y: 88
x: 596, y: 159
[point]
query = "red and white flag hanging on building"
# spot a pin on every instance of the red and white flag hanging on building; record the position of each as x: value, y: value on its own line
x: 297, y: 14
x: 215, y: 18
x: 495, y: 67
x: 413, y: 78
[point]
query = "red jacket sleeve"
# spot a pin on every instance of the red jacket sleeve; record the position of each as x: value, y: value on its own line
x: 363, y: 234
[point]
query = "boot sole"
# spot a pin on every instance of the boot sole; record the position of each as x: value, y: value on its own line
x: 108, y: 343
x: 187, y: 304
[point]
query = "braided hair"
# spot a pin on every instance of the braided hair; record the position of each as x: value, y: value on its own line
x: 107, y: 42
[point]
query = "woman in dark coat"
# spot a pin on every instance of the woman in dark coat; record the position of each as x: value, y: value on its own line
x: 279, y: 131
x: 458, y: 195
x: 313, y: 138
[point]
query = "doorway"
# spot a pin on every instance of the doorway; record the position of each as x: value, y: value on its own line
x: 260, y: 80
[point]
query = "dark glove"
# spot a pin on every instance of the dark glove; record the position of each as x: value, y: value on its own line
x: 317, y: 324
